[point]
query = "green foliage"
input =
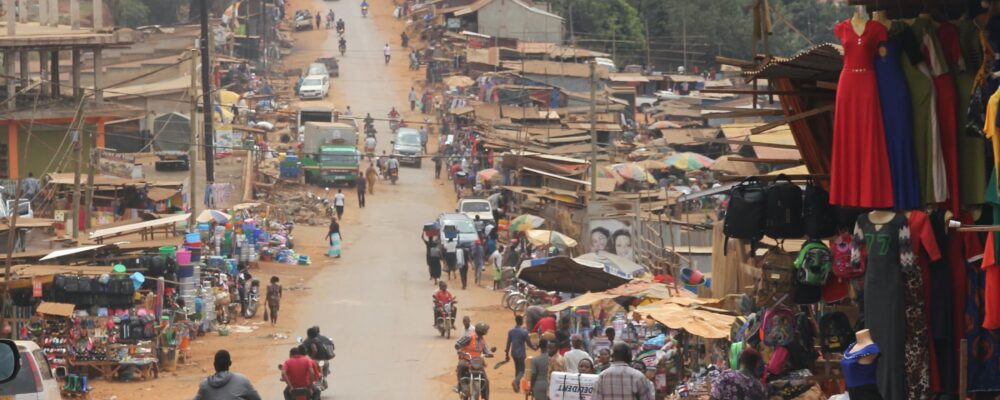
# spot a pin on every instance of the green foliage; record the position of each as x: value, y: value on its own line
x: 711, y: 28
x: 130, y: 13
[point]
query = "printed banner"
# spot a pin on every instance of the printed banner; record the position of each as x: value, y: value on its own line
x: 566, y: 386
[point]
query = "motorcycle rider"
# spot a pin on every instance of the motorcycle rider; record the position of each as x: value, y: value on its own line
x: 364, y: 6
x: 393, y: 113
x: 369, y: 121
x: 340, y: 25
x: 343, y: 44
x: 443, y: 296
x: 392, y: 165
x: 315, y: 347
x: 370, y: 143
x: 473, y: 344
x: 300, y: 372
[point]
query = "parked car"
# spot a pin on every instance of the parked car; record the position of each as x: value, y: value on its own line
x: 472, y: 207
x: 317, y: 68
x: 466, y: 228
x: 303, y: 20
x: 406, y: 147
x: 315, y: 87
x: 331, y: 65
x: 35, y: 380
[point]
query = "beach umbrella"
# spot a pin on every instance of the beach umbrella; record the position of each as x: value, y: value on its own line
x: 459, y: 81
x: 652, y: 164
x: 631, y: 171
x: 541, y: 237
x: 689, y: 161
x: 525, y: 222
x: 210, y: 215
x: 663, y: 125
x: 726, y: 164
x: 565, y: 274
x: 489, y: 175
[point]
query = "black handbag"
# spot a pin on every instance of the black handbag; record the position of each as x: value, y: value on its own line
x: 783, y: 213
x: 819, y: 217
x: 745, y: 213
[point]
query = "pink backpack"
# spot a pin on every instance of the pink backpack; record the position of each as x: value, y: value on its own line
x: 841, y: 249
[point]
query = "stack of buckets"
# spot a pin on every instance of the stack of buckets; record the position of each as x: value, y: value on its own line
x: 187, y: 274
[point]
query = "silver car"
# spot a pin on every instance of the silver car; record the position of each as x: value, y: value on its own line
x: 466, y: 228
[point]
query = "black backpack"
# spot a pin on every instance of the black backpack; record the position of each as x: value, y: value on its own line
x: 745, y: 213
x: 322, y: 348
x: 783, y: 213
x: 819, y: 217
x: 835, y: 332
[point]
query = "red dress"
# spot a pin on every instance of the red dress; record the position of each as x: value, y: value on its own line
x: 859, y: 173
x: 947, y: 98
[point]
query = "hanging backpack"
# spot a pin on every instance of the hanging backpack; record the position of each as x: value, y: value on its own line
x: 778, y: 328
x: 783, y: 213
x: 841, y: 251
x: 835, y: 332
x: 813, y: 265
x: 819, y: 217
x: 745, y: 213
x: 777, y: 274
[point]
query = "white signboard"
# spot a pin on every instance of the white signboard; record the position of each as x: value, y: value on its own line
x: 566, y: 386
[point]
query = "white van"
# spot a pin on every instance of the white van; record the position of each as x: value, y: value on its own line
x: 606, y: 63
x: 35, y: 380
x: 315, y: 87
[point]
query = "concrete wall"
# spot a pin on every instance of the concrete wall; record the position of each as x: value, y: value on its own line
x: 508, y: 19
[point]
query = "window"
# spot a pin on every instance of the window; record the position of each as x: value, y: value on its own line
x: 412, y: 140
x: 312, y: 82
x: 43, y: 364
x: 464, y: 226
x: 338, y: 158
x: 475, y: 206
x: 23, y: 383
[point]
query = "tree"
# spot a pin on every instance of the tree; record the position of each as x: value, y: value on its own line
x: 604, y: 25
x: 130, y: 13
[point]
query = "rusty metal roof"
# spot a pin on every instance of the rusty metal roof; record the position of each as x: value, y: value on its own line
x: 820, y: 62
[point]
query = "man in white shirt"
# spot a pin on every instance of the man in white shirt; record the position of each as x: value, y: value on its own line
x: 462, y: 265
x: 574, y: 356
x: 338, y: 203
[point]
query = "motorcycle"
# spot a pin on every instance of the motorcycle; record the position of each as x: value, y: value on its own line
x: 393, y: 124
x: 393, y: 175
x: 445, y: 318
x: 306, y: 393
x: 370, y: 130
x: 474, y: 385
x: 253, y: 299
x: 343, y: 49
x: 364, y: 12
x: 340, y: 30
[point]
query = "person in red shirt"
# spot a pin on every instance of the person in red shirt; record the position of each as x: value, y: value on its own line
x: 299, y: 372
x: 546, y: 324
x: 443, y: 296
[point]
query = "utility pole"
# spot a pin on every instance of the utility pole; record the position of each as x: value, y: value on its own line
x: 684, y: 39
x: 193, y: 150
x: 593, y: 130
x: 91, y: 167
x: 78, y: 149
x: 648, y: 62
x: 206, y: 96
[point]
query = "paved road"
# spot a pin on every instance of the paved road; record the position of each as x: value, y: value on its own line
x: 375, y: 301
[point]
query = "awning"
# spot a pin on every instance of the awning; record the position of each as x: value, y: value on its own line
x: 118, y: 230
x: 554, y: 176
x: 69, y: 252
x: 584, y: 300
x: 160, y: 194
x: 698, y: 322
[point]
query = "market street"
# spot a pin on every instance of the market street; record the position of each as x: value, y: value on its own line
x: 375, y: 301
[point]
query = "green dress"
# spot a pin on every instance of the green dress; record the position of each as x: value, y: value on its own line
x: 926, y: 135
x: 971, y: 146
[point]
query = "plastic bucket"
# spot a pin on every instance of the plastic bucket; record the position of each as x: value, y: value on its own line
x: 184, y: 257
x: 169, y: 251
x: 194, y: 237
x: 185, y: 271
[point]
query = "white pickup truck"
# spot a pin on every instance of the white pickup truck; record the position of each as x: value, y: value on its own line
x: 473, y: 207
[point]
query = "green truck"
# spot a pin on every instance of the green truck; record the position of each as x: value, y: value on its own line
x: 330, y: 153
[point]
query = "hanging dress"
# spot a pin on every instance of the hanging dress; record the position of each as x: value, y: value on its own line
x: 926, y: 250
x: 926, y: 135
x: 945, y: 100
x: 971, y: 144
x: 897, y: 117
x: 883, y: 251
x: 859, y: 173
x: 860, y: 378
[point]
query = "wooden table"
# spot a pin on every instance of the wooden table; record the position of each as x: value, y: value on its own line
x: 146, y: 368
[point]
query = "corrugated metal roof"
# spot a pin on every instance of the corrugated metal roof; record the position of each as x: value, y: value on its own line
x: 820, y: 62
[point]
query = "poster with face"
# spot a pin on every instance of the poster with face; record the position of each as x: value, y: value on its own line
x: 611, y: 235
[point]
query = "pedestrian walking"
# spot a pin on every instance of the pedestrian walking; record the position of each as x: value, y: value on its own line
x: 478, y: 260
x: 462, y: 262
x: 333, y: 237
x: 319, y: 19
x: 539, y: 376
x: 362, y: 185
x: 496, y: 264
x: 451, y: 256
x: 423, y: 139
x: 385, y: 51
x: 433, y: 245
x: 371, y: 175
x: 413, y: 99
x: 517, y: 340
x: 31, y: 186
x: 437, y: 166
x: 273, y: 300
x: 338, y: 203
x: 620, y: 381
x: 225, y: 385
